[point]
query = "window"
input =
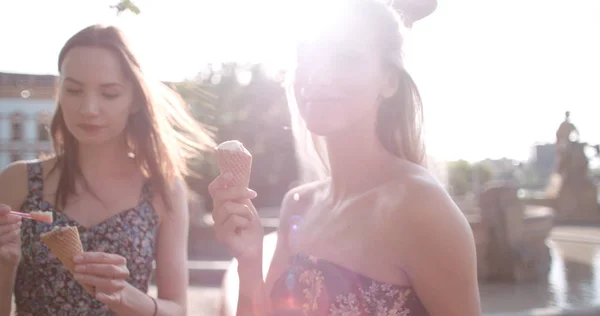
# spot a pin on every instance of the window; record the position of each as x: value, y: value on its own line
x: 17, y: 130
x: 43, y: 134
x: 43, y: 121
x: 16, y: 126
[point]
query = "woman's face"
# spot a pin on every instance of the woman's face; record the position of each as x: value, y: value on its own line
x: 339, y: 78
x: 95, y: 98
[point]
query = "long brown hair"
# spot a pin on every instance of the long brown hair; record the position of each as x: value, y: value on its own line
x: 399, y: 124
x: 162, y: 135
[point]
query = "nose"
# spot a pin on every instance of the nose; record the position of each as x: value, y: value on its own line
x: 321, y: 76
x: 89, y: 106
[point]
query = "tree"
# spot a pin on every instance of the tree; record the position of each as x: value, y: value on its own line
x: 464, y: 177
x: 126, y: 5
x: 241, y: 102
x: 459, y: 177
x: 481, y: 173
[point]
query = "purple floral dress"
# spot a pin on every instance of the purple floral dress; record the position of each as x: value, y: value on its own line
x: 316, y: 287
x: 45, y: 287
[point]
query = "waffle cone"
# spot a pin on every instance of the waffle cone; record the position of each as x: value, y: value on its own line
x: 64, y: 243
x: 239, y: 164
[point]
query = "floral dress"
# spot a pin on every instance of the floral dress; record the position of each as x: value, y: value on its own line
x: 45, y: 287
x: 314, y: 287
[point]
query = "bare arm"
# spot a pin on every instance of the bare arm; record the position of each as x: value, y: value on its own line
x: 13, y: 190
x: 259, y: 304
x: 7, y: 283
x: 439, y: 252
x: 171, y: 262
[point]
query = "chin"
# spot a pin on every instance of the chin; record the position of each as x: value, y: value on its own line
x: 86, y: 140
x: 322, y: 128
x: 92, y: 139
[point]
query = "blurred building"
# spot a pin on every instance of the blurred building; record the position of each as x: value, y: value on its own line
x: 26, y: 106
x: 543, y: 160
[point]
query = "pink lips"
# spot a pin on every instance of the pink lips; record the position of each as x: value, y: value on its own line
x: 90, y: 128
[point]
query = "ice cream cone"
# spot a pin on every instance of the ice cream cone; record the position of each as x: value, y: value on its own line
x: 64, y: 243
x: 237, y: 162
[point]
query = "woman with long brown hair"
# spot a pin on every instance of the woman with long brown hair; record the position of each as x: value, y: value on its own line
x: 378, y: 235
x: 121, y: 143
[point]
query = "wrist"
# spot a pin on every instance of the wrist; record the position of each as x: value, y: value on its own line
x: 251, y: 258
x: 8, y: 273
x: 135, y: 302
x: 250, y: 276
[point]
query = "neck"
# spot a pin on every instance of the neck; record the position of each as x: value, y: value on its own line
x: 357, y: 161
x: 100, y: 160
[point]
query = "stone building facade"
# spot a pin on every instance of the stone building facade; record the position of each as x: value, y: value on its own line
x: 27, y: 103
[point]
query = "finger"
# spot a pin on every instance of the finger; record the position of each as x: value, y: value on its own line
x: 235, y: 222
x: 228, y: 232
x: 10, y: 237
x: 220, y: 182
x: 4, y: 209
x: 236, y: 193
x: 109, y: 271
x: 99, y: 257
x: 109, y: 299
x: 7, y: 228
x: 231, y: 208
x: 9, y: 219
x: 103, y: 285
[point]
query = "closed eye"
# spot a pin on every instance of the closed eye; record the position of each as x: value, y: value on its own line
x: 110, y: 96
x: 73, y: 91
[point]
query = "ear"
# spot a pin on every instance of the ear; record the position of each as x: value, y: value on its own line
x: 390, y: 83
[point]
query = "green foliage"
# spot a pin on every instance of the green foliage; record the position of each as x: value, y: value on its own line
x: 126, y: 5
x: 241, y: 102
x: 459, y: 177
x: 464, y: 177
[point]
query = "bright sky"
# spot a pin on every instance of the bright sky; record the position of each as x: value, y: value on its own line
x: 496, y: 75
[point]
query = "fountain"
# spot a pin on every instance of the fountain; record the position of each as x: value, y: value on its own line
x: 570, y: 191
x: 510, y: 238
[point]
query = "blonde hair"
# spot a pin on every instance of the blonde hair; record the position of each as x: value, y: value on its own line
x: 162, y: 135
x: 399, y: 123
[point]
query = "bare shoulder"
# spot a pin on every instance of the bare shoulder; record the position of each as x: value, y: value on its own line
x: 425, y: 199
x: 434, y: 246
x: 48, y: 165
x: 426, y: 213
x: 299, y: 198
x: 177, y: 193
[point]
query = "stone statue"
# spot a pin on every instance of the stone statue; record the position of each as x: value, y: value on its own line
x: 566, y: 128
x: 573, y: 193
x: 564, y: 140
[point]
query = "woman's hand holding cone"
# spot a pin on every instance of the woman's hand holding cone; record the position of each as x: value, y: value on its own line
x: 237, y: 223
x: 107, y: 273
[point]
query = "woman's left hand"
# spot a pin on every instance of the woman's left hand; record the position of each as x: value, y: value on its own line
x: 106, y: 272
